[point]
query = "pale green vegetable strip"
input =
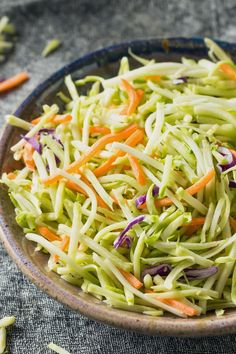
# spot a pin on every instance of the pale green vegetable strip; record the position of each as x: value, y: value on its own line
x: 53, y: 110
x: 166, y: 176
x: 75, y: 231
x: 17, y: 122
x: 153, y: 139
x: 50, y: 47
x: 7, y: 321
x: 138, y: 293
x: 137, y: 254
x: 71, y: 87
x: 3, y: 339
x: 85, y: 134
x: 57, y: 349
x: 99, y: 188
x: 183, y: 214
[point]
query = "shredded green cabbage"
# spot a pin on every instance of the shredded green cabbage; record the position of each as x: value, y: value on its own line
x: 80, y: 196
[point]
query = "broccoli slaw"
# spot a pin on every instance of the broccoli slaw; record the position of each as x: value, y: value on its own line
x: 131, y: 189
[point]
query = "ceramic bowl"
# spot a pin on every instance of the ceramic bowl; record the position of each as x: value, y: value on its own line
x: 34, y: 264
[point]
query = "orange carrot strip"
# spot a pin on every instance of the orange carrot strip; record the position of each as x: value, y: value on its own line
x: 190, y: 230
x: 93, y: 151
x: 194, y: 225
x: 137, y: 169
x: 233, y: 152
x: 228, y: 70
x: 63, y: 247
x: 140, y: 94
x: 48, y: 234
x: 11, y: 175
x: 232, y: 223
x: 131, y: 279
x: 196, y: 187
x: 13, y: 82
x: 62, y: 118
x: 99, y: 145
x: 74, y: 187
x: 55, y: 258
x: 65, y: 243
x: 134, y: 97
x: 153, y: 78
x: 177, y: 304
x: 134, y: 139
x: 126, y: 168
x: 199, y: 185
x: 100, y: 130
x: 35, y: 121
x: 28, y: 156
x: 197, y: 221
x: 56, y: 119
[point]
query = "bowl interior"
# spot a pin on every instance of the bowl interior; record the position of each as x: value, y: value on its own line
x: 34, y: 264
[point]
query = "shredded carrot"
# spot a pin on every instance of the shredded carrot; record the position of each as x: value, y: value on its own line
x: 137, y: 169
x: 195, y: 188
x: 153, y: 78
x: 65, y: 243
x: 190, y: 230
x: 74, y: 187
x: 177, y: 304
x: 35, y: 120
x: 197, y: 221
x: 199, y: 185
x: 233, y: 152
x: 101, y: 130
x: 63, y: 247
x: 131, y: 279
x: 134, y: 139
x: 140, y: 94
x: 11, y: 175
x: 194, y: 225
x: 48, y: 234
x: 126, y: 168
x: 134, y: 97
x: 56, y: 119
x: 232, y: 223
x: 61, y: 118
x: 93, y: 151
x: 228, y: 70
x: 13, y: 82
x: 28, y: 156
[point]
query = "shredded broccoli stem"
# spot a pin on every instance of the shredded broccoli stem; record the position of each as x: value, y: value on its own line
x: 135, y: 176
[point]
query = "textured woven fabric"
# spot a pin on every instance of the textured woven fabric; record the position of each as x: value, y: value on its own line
x: 84, y: 26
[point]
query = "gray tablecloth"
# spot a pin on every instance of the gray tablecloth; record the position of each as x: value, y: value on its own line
x: 84, y: 26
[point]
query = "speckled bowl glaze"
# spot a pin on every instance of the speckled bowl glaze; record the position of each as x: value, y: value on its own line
x: 34, y: 264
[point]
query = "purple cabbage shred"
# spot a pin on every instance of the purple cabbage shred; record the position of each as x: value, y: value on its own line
x: 161, y: 269
x: 199, y: 273
x: 232, y: 184
x: 142, y: 198
x: 33, y: 142
x: 231, y: 160
x: 180, y: 80
x: 122, y: 238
